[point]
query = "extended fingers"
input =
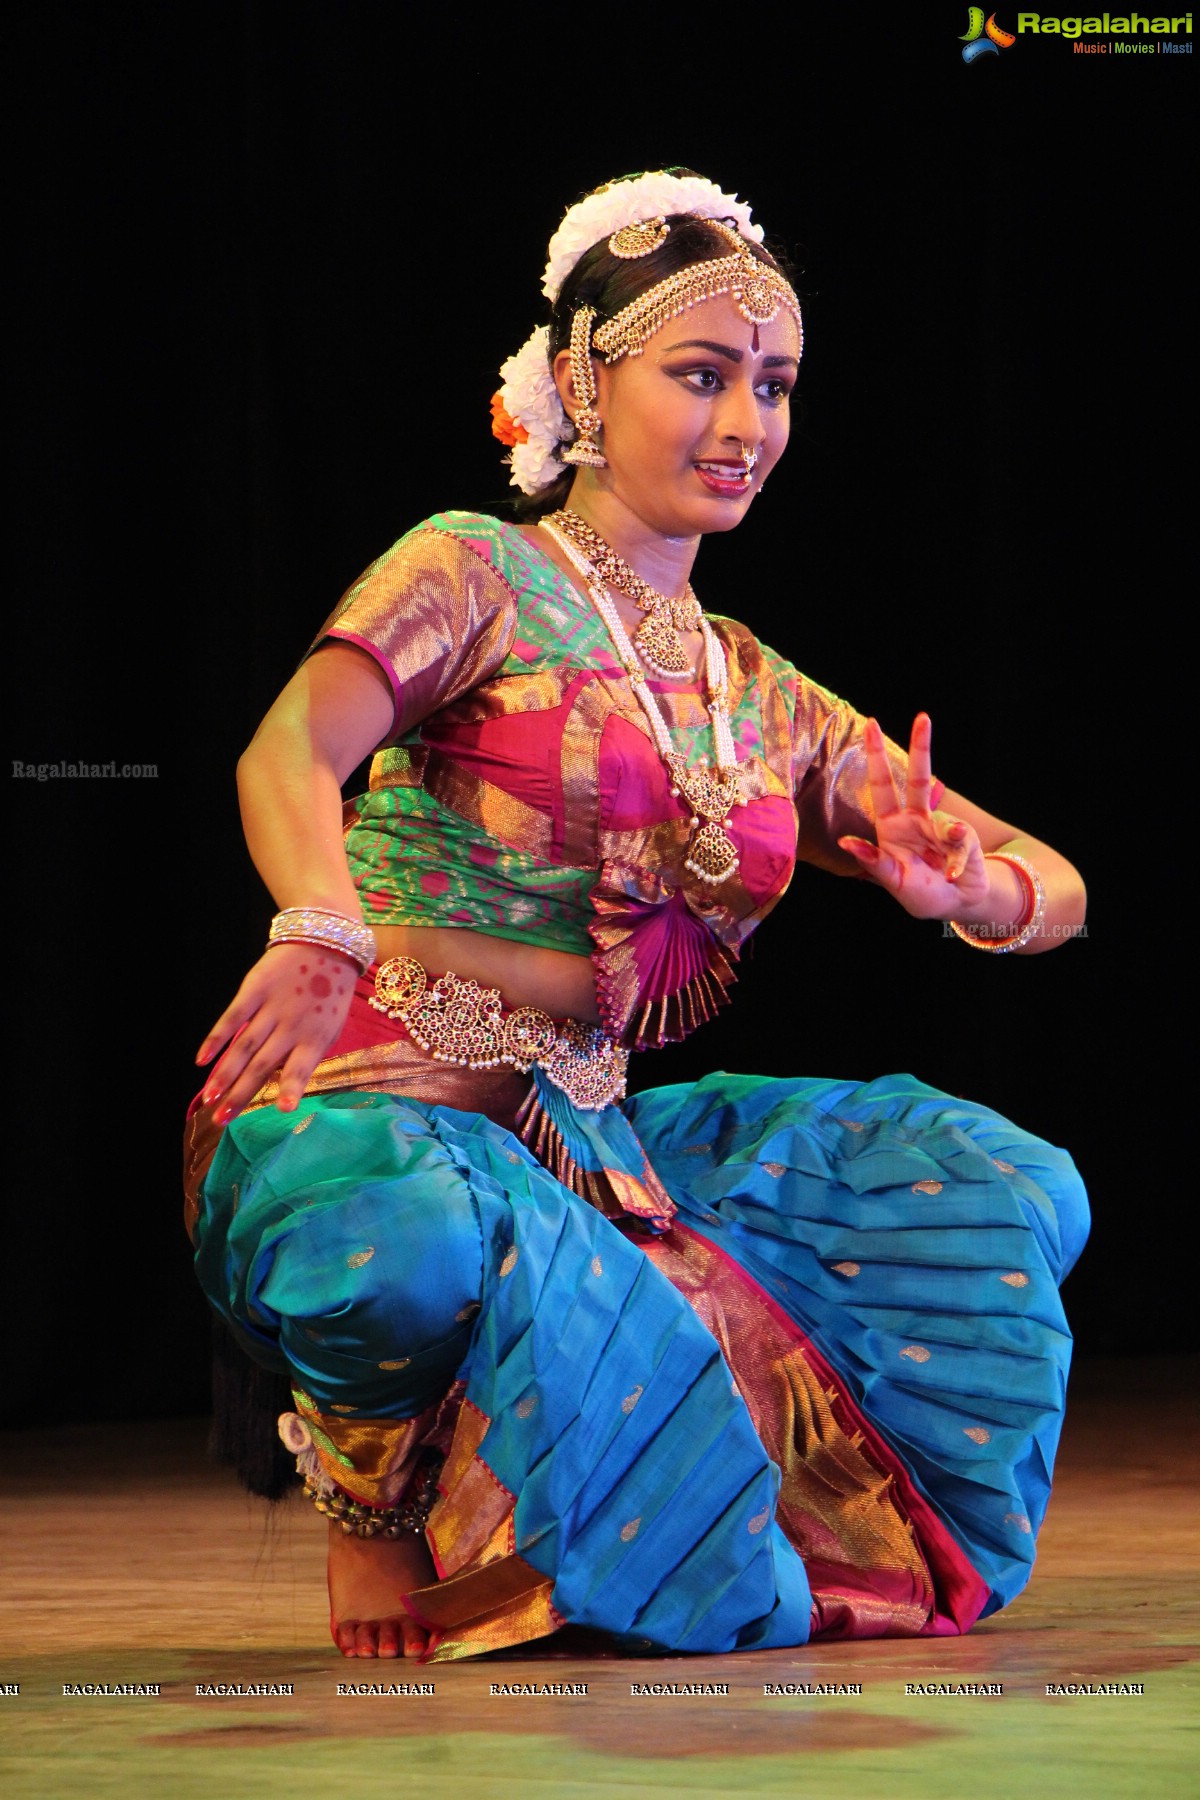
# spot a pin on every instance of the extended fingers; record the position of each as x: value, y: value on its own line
x: 919, y: 785
x: 283, y: 1019
x: 256, y: 1053
x: 884, y: 798
x: 296, y: 1074
x: 873, y: 861
x: 246, y: 1003
x: 285, y: 1050
x: 236, y: 1079
x: 240, y: 1008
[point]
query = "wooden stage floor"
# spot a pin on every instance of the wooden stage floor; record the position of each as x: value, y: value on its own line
x: 128, y: 1560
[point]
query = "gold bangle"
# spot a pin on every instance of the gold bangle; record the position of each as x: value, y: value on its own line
x: 1031, y: 923
x: 325, y: 930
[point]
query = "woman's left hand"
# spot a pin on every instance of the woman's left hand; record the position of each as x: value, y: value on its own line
x: 929, y: 861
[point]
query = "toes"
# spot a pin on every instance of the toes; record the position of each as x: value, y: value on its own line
x: 380, y: 1637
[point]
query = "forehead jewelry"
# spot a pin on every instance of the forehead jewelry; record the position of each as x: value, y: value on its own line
x: 657, y: 637
x: 641, y: 239
x: 711, y: 793
x: 585, y: 452
x: 758, y: 290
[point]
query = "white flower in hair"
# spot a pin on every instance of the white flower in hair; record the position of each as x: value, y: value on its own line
x: 534, y: 466
x: 632, y: 202
x: 530, y: 399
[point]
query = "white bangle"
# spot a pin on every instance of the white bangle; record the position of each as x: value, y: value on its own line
x: 325, y: 930
x: 1031, y: 922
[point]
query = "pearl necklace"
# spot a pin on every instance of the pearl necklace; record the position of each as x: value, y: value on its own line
x: 657, y: 637
x: 711, y: 793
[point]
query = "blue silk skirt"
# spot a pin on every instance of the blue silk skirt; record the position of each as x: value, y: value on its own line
x: 814, y: 1389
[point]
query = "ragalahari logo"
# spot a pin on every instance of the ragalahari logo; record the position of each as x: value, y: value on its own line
x: 983, y: 39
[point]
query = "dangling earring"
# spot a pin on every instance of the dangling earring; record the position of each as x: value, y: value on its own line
x: 585, y: 452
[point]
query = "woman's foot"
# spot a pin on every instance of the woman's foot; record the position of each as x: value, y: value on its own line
x: 366, y: 1578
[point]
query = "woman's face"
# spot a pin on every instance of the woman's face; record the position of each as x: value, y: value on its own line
x: 676, y: 417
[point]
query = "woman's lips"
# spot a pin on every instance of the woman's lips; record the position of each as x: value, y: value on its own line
x: 729, y: 479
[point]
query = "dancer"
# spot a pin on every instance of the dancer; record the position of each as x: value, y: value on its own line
x: 726, y: 1364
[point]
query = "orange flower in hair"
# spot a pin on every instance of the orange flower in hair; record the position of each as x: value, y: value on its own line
x: 504, y: 427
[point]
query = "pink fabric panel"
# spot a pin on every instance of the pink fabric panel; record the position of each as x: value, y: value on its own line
x: 671, y: 947
x: 519, y: 753
x: 635, y: 792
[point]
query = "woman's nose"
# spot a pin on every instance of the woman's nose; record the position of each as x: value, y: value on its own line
x: 740, y: 418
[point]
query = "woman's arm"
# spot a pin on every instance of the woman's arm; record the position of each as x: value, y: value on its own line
x: 937, y: 863
x: 334, y: 711
x: 290, y: 1008
x: 1066, y: 896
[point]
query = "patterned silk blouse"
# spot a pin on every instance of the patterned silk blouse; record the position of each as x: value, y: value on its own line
x: 520, y: 792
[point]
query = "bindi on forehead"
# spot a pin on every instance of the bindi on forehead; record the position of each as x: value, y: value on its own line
x: 715, y: 325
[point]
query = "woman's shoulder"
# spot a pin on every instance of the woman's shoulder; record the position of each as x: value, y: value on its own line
x: 811, y: 707
x: 498, y: 544
x: 757, y: 658
x: 463, y: 523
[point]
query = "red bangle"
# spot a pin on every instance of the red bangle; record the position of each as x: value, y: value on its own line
x: 1031, y: 920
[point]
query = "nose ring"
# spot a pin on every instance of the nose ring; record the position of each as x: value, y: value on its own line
x: 749, y: 457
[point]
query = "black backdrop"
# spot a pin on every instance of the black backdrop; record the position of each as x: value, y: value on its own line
x: 270, y: 258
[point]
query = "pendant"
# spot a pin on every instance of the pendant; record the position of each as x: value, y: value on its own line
x: 712, y: 854
x: 709, y: 792
x: 659, y: 647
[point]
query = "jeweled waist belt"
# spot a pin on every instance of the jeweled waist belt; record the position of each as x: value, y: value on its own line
x: 458, y: 1021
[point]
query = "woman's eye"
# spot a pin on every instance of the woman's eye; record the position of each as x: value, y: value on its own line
x: 775, y: 390
x: 707, y: 381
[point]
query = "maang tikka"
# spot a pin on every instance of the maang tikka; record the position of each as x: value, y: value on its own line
x: 585, y: 452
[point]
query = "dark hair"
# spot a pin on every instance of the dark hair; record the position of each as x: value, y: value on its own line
x: 247, y: 1401
x: 609, y: 283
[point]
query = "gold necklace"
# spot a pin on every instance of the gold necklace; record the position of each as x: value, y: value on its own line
x: 657, y: 637
x: 712, y: 793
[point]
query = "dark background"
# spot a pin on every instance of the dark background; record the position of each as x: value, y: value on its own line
x: 268, y: 259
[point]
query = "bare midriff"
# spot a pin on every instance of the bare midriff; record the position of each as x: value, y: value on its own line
x: 526, y: 974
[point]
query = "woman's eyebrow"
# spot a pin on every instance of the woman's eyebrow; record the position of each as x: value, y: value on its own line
x: 730, y: 352
x: 726, y: 350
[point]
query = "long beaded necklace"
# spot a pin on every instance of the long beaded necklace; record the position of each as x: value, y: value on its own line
x: 656, y: 639
x: 711, y: 792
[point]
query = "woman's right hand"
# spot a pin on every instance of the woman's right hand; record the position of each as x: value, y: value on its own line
x: 283, y: 1019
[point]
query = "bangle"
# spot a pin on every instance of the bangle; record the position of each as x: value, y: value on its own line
x: 1031, y: 921
x: 326, y: 930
